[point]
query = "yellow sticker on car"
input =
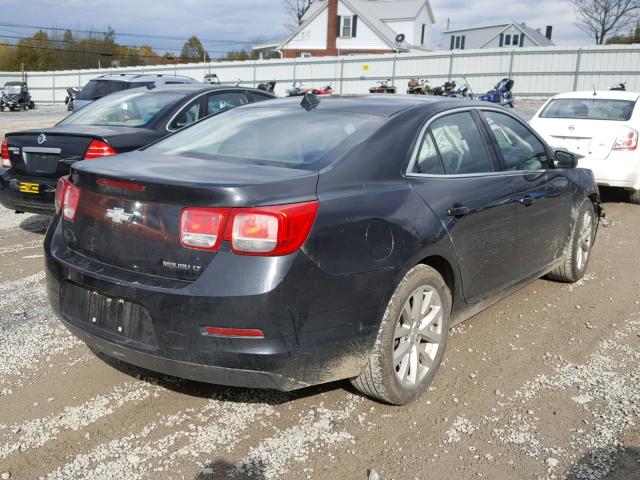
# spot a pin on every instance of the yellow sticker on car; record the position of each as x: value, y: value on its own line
x: 26, y: 187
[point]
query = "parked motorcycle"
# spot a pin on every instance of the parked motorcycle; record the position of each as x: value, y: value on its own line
x: 501, y: 94
x: 445, y: 89
x: 72, y: 94
x: 328, y: 90
x: 621, y: 87
x: 267, y: 87
x: 383, y: 87
x: 418, y: 87
x: 463, y: 91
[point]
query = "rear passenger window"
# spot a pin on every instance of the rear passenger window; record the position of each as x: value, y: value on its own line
x: 258, y: 97
x: 191, y: 114
x: 520, y: 148
x: 460, y: 145
x: 222, y: 101
x: 428, y: 161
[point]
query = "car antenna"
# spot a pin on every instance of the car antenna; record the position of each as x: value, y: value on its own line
x: 594, y: 90
x: 309, y: 101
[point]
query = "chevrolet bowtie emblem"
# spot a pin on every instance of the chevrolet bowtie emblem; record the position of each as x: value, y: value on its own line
x: 118, y: 215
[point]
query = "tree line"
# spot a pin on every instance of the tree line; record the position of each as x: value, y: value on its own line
x: 66, y: 51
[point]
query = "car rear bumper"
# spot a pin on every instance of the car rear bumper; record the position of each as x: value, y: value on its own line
x: 12, y: 198
x: 619, y: 169
x: 317, y: 328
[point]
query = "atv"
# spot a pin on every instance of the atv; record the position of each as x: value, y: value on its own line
x: 16, y: 96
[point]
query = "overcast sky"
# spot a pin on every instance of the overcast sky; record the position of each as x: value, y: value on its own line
x: 246, y: 20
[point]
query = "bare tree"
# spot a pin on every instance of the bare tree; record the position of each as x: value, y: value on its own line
x: 295, y: 10
x: 602, y: 18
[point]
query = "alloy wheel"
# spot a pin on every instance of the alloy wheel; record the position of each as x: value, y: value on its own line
x: 418, y: 336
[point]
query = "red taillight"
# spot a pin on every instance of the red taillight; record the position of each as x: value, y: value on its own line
x: 60, y: 188
x: 627, y: 140
x: 6, y: 161
x: 273, y: 230
x: 233, y: 332
x: 99, y: 149
x: 202, y: 228
x: 70, y: 200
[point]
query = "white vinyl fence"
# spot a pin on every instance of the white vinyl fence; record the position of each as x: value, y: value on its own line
x: 538, y: 72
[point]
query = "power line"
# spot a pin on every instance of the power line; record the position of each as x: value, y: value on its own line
x: 136, y: 35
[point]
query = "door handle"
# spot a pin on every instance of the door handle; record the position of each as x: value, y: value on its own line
x: 527, y: 200
x: 458, y: 211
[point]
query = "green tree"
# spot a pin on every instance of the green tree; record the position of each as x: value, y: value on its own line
x: 632, y: 37
x: 193, y: 51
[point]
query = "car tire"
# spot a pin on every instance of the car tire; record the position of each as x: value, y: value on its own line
x: 578, y: 250
x: 401, y: 367
x: 634, y: 197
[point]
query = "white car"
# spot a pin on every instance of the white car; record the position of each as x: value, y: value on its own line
x: 602, y: 128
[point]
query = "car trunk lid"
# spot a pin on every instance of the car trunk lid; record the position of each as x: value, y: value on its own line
x: 49, y: 152
x: 132, y: 222
x: 587, y: 138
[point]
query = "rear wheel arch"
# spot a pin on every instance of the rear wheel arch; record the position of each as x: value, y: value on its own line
x: 445, y: 269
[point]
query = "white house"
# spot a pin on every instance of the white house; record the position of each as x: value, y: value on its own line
x: 342, y: 27
x: 507, y: 35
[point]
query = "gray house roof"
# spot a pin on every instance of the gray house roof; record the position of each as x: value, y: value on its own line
x: 534, y: 35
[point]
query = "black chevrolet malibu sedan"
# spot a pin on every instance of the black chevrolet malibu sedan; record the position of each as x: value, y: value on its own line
x: 33, y: 160
x: 282, y: 244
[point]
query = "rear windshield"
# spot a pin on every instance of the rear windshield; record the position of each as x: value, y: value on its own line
x: 99, y: 88
x: 589, y: 109
x: 285, y: 137
x: 135, y: 109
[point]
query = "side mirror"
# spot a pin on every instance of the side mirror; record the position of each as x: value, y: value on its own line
x: 564, y: 159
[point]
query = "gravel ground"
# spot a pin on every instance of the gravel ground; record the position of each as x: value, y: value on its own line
x: 542, y: 385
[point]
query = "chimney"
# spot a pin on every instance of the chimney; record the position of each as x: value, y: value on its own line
x: 332, y: 27
x: 548, y: 32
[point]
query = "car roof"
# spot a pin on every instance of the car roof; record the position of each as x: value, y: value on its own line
x: 188, y: 89
x: 380, y: 104
x: 602, y: 94
x: 132, y: 78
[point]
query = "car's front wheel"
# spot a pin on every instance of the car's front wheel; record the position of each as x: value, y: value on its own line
x: 411, y: 339
x: 578, y: 250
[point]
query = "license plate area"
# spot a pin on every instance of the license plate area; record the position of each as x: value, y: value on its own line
x: 41, y: 160
x: 117, y: 316
x: 27, y: 187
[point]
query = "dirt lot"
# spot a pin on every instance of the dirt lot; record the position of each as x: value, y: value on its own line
x: 543, y: 385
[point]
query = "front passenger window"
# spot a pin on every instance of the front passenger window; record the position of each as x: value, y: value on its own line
x: 460, y: 144
x: 520, y: 148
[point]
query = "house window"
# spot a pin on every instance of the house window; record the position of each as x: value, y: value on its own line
x: 507, y: 39
x: 424, y: 28
x: 515, y: 39
x: 457, y: 42
x: 347, y: 23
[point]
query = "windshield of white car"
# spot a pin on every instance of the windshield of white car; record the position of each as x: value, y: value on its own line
x: 589, y: 109
x: 136, y: 109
